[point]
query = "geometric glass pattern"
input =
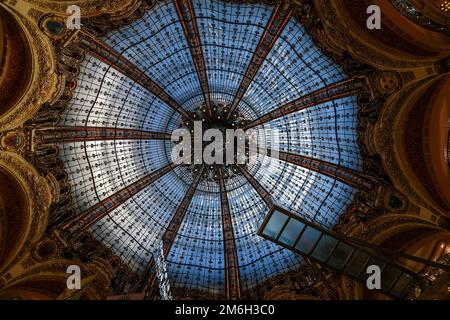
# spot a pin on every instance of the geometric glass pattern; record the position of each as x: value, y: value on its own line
x: 229, y: 35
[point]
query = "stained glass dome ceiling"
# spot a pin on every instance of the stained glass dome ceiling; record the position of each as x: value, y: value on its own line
x: 229, y: 35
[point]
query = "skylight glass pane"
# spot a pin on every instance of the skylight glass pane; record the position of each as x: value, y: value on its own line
x: 324, y: 248
x: 402, y: 283
x: 276, y: 222
x: 308, y: 240
x: 388, y: 277
x: 291, y: 232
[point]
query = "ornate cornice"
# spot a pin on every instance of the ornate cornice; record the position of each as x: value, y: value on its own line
x: 429, y: 276
x: 39, y: 197
x: 377, y: 229
x: 43, y: 82
x: 88, y: 7
x: 384, y: 141
x: 56, y: 270
x: 343, y: 37
x: 408, y: 9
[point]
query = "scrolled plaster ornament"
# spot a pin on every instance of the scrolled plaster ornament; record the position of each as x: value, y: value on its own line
x: 39, y: 196
x: 43, y: 83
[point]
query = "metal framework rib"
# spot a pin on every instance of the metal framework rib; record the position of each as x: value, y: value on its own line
x: 172, y: 229
x: 278, y: 20
x: 233, y: 283
x: 100, y: 210
x: 257, y: 186
x: 334, y: 91
x: 186, y: 15
x: 174, y: 225
x: 113, y: 58
x: 348, y: 176
x: 73, y: 134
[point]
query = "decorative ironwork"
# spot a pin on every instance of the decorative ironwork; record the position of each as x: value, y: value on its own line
x: 72, y: 134
x: 337, y: 90
x: 172, y: 229
x: 118, y: 62
x: 186, y: 14
x: 265, y: 196
x: 233, y: 286
x: 429, y: 275
x: 101, y: 209
x: 280, y: 17
x: 348, y: 176
x: 113, y: 58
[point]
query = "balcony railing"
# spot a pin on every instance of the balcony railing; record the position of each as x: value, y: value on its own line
x: 408, y: 9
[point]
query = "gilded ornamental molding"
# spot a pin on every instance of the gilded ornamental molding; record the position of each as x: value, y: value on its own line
x: 43, y: 84
x: 39, y: 197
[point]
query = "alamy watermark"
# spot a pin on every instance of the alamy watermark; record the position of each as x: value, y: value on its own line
x: 374, y: 279
x: 73, y: 282
x: 374, y: 20
x: 73, y: 22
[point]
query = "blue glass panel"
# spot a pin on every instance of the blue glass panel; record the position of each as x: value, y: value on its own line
x: 273, y: 227
x: 308, y: 240
x: 291, y: 232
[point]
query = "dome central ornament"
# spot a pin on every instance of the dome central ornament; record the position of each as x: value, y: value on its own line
x: 216, y: 140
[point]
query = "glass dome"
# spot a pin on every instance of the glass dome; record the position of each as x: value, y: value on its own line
x: 229, y: 35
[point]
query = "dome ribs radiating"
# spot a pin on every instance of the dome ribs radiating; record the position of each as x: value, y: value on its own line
x: 348, y: 176
x: 232, y: 275
x: 256, y: 185
x: 171, y: 232
x: 231, y: 65
x: 116, y: 60
x: 67, y: 134
x: 280, y: 17
x: 188, y: 22
x: 344, y: 88
x: 73, y: 228
x: 175, y: 223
